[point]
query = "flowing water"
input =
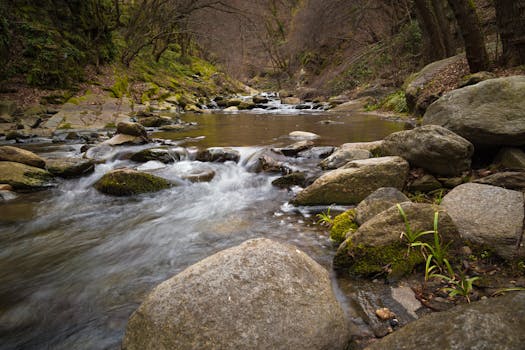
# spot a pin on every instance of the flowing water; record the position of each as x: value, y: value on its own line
x: 74, y: 264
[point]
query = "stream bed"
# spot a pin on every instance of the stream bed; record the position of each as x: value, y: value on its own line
x: 74, y: 264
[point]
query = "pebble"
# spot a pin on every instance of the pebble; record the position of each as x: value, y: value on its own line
x: 385, y: 314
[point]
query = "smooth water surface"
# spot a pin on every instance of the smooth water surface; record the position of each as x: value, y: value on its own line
x: 74, y: 264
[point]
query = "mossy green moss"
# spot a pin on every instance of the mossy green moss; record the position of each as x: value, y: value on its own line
x: 126, y: 182
x: 343, y: 223
x: 365, y: 261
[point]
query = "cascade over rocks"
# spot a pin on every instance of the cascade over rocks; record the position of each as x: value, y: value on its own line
x: 19, y: 155
x: 431, y: 147
x: 490, y: 113
x: 355, y: 181
x: 489, y: 216
x: 494, y: 323
x: 258, y: 295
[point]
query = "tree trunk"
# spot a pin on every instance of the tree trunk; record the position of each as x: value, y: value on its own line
x: 510, y: 17
x: 473, y: 38
x: 440, y: 11
x: 434, y: 42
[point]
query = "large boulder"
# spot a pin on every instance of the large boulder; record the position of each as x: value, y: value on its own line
x: 494, y: 323
x: 487, y: 114
x: 487, y: 215
x: 70, y: 167
x: 258, y: 295
x: 377, y: 202
x: 378, y: 242
x: 431, y: 147
x: 355, y: 181
x: 18, y: 155
x: 23, y: 177
x: 128, y: 182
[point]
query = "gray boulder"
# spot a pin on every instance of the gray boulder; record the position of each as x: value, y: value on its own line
x: 19, y: 155
x: 355, y: 181
x: 431, y: 147
x: 23, y: 177
x: 123, y: 139
x: 494, y: 323
x: 487, y: 114
x: 380, y: 200
x: 258, y: 295
x: 293, y: 149
x: 487, y: 215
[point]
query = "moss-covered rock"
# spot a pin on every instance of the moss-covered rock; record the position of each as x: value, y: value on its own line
x: 343, y: 223
x: 378, y: 246
x: 128, y: 182
x: 23, y: 177
x: 133, y: 129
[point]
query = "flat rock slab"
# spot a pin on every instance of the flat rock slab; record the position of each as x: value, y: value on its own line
x: 488, y: 215
x: 494, y: 323
x: 19, y: 155
x: 258, y: 295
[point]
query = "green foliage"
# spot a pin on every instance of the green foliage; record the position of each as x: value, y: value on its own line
x: 355, y: 75
x: 410, y: 235
x: 395, y: 102
x: 121, y: 87
x: 461, y: 286
x: 325, y: 219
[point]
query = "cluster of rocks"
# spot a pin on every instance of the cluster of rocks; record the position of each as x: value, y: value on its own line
x: 270, y: 285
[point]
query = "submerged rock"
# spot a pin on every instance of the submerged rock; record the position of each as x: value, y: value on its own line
x: 70, y: 167
x: 19, y: 155
x: 355, y: 181
x: 489, y: 216
x: 487, y: 114
x: 23, y: 177
x: 258, y: 295
x: 431, y: 147
x: 494, y: 323
x: 128, y: 182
